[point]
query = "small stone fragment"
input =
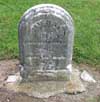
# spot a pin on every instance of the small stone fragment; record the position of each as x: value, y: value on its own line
x: 87, y: 77
x: 14, y: 78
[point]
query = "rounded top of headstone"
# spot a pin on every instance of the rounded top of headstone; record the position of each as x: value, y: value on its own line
x: 48, y: 8
x: 45, y: 7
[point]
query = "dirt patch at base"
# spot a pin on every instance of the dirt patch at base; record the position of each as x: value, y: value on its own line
x: 8, y: 67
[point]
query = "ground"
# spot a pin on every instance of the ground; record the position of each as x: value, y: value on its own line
x: 8, y: 67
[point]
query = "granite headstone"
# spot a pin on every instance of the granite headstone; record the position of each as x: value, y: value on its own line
x: 46, y: 35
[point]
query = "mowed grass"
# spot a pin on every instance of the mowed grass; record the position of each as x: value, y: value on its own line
x: 86, y: 15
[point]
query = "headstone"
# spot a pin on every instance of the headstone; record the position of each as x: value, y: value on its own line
x: 45, y: 42
x: 45, y: 39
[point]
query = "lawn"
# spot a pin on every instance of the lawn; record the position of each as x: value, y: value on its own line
x: 86, y: 15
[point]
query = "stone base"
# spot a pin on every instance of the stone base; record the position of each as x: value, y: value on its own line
x: 48, y: 75
x: 39, y: 89
x: 42, y: 88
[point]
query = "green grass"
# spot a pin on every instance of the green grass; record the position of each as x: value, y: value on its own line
x: 86, y: 15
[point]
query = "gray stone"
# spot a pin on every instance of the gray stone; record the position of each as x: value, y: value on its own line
x: 14, y: 78
x: 45, y: 89
x: 40, y: 89
x: 46, y: 35
x: 87, y: 77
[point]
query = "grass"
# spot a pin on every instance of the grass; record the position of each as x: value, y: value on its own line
x: 86, y: 15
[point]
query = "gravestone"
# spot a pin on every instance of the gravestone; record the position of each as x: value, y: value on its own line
x: 45, y: 42
x: 45, y: 39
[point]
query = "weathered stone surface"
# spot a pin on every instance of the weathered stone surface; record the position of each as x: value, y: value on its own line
x: 45, y: 88
x: 75, y: 85
x: 60, y: 75
x: 40, y: 89
x: 45, y: 39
